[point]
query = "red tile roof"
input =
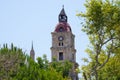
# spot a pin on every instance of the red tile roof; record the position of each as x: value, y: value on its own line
x: 64, y: 25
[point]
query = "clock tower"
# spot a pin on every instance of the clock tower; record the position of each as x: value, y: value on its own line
x: 63, y: 45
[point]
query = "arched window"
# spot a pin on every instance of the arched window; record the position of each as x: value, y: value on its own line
x: 61, y: 44
x: 60, y: 55
x: 61, y: 29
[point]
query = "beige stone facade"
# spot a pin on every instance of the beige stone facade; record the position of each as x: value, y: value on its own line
x: 67, y: 47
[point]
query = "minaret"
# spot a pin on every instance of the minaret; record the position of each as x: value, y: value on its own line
x: 32, y: 53
x: 63, y: 46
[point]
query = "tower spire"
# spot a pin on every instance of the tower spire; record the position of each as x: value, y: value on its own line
x: 62, y: 16
x: 32, y: 53
x: 32, y: 46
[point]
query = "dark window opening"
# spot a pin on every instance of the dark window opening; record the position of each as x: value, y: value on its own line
x: 61, y: 29
x: 61, y: 44
x: 62, y: 18
x: 60, y: 55
x: 73, y: 56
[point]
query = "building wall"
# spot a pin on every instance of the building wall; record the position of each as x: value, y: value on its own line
x: 68, y: 48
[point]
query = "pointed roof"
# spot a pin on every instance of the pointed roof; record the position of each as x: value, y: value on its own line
x: 62, y: 11
x: 32, y: 52
x: 32, y: 46
x: 62, y: 18
x: 32, y: 49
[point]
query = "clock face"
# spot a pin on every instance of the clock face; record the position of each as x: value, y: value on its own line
x: 60, y: 38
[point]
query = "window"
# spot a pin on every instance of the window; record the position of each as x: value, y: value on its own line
x: 60, y: 55
x: 62, y: 18
x: 61, y: 29
x: 61, y: 44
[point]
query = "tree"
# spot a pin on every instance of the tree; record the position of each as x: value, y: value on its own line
x: 111, y: 69
x: 10, y: 60
x: 102, y: 22
x: 62, y: 67
x: 38, y: 71
x: 16, y: 65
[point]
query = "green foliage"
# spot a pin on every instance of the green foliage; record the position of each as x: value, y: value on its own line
x: 111, y: 69
x: 38, y: 71
x: 102, y: 22
x: 15, y: 65
x: 10, y: 60
x: 62, y: 67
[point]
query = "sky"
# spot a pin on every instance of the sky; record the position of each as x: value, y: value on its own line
x: 24, y: 21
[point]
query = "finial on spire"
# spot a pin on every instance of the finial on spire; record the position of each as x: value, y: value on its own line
x: 32, y: 45
x: 63, y: 6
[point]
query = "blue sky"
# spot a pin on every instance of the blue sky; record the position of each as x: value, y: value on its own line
x: 24, y: 21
